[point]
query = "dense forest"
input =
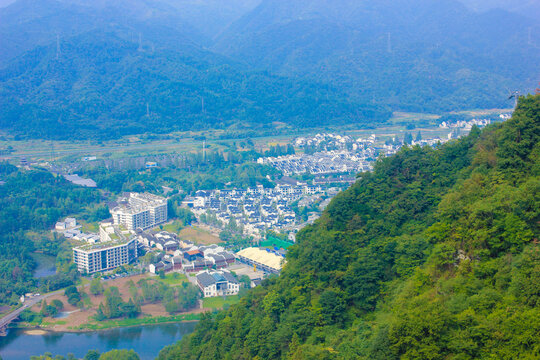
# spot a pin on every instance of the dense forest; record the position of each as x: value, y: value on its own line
x: 122, y: 90
x: 73, y: 69
x: 434, y: 255
x: 410, y: 55
x: 32, y: 201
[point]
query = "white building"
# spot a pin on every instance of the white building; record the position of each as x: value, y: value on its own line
x: 217, y: 283
x: 105, y: 256
x: 140, y: 211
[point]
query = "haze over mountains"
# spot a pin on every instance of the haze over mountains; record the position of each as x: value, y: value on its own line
x: 96, y: 65
x: 418, y: 55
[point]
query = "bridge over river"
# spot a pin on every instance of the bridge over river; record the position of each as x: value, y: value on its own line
x: 29, y: 302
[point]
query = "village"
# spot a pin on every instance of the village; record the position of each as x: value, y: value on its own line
x: 133, y: 238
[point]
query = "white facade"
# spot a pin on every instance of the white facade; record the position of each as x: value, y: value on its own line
x: 217, y: 283
x: 140, y: 211
x: 104, y: 256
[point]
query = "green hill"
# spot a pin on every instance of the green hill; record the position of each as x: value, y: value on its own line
x: 411, y: 55
x: 434, y: 255
x: 104, y: 86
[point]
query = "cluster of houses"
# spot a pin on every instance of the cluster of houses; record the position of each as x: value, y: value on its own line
x: 71, y: 230
x: 468, y: 124
x: 334, y: 142
x: 183, y: 255
x: 255, y: 210
x: 324, y: 162
x: 124, y: 237
x: 116, y: 244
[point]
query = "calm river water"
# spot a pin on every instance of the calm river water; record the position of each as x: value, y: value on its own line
x: 45, y: 265
x: 147, y: 341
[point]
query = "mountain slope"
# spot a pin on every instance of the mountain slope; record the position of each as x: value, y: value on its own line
x: 26, y: 24
x: 416, y: 55
x: 528, y: 8
x: 434, y: 255
x: 211, y: 17
x: 103, y: 85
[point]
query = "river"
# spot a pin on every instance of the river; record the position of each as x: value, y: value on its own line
x: 147, y: 341
x: 45, y: 265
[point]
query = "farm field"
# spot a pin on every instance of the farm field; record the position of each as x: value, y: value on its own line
x: 199, y: 236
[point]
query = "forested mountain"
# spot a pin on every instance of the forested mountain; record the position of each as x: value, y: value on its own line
x: 26, y: 24
x: 434, y: 255
x: 91, y: 67
x: 101, y: 78
x: 420, y: 55
x: 211, y: 17
x: 102, y: 85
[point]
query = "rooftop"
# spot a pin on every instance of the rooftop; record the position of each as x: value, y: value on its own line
x: 137, y: 202
x: 102, y: 245
x: 261, y: 256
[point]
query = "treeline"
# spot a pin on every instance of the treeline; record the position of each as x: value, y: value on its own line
x: 279, y: 150
x: 434, y: 255
x: 92, y: 355
x: 188, y: 179
x: 115, y: 307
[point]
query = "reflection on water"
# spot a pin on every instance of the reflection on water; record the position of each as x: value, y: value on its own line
x: 51, y: 339
x: 46, y: 265
x: 147, y: 341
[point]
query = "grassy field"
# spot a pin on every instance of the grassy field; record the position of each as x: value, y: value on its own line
x: 174, y: 279
x: 219, y: 302
x: 141, y: 145
x: 199, y: 236
x: 398, y: 117
x: 174, y: 227
x: 138, y: 321
x: 87, y: 227
x: 174, y: 142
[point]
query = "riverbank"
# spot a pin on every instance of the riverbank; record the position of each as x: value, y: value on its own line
x: 147, y: 341
x: 74, y: 319
x: 109, y: 324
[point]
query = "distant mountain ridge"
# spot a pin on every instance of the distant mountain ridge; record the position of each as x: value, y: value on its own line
x: 343, y: 61
x: 26, y: 24
x: 101, y: 85
x: 417, y: 55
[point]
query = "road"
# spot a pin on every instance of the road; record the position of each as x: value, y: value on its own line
x: 28, y: 303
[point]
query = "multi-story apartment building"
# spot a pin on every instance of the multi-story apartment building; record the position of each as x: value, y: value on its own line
x: 140, y: 211
x: 116, y: 247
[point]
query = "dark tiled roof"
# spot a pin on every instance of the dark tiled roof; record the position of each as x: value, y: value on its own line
x: 229, y: 277
x: 205, y: 279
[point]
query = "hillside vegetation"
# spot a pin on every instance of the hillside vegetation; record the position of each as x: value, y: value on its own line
x: 411, y: 55
x: 73, y: 69
x: 434, y: 255
x: 122, y: 90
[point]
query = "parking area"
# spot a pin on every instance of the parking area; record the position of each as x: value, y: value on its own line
x: 243, y: 269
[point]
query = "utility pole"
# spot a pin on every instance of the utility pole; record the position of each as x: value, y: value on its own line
x: 57, y: 46
x: 204, y: 150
